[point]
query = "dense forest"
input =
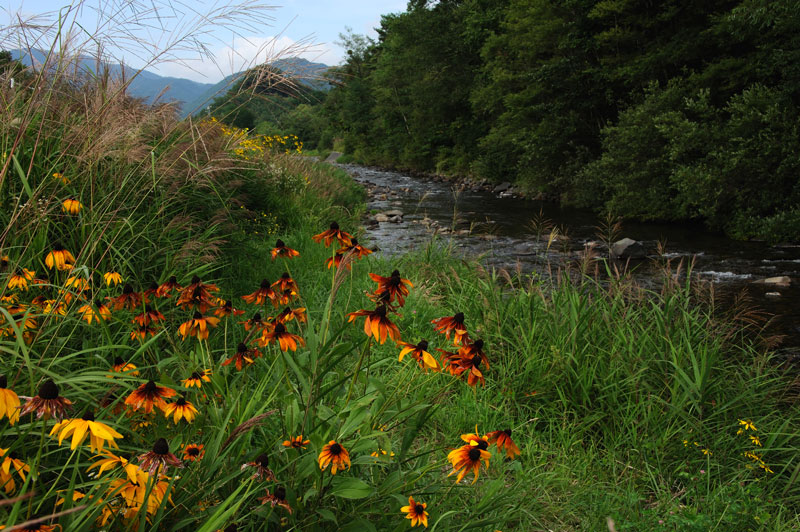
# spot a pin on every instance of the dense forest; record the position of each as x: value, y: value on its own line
x: 671, y: 111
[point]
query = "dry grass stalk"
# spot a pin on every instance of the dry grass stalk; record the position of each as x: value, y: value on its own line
x: 246, y: 426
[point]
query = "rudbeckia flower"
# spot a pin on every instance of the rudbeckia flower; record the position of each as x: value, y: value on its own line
x: 165, y: 289
x: 333, y: 233
x: 377, y: 324
x: 4, y: 262
x: 110, y: 461
x: 151, y: 291
x: 121, y: 366
x: 470, y: 367
x: 193, y: 452
x: 197, y: 378
x: 198, y: 326
x: 149, y: 316
x: 244, y: 357
x: 281, y: 250
x: 180, y: 409
x: 451, y: 361
x: 279, y: 334
x: 160, y: 456
x: 416, y: 512
x: 10, y: 460
x: 420, y: 354
x: 142, y: 331
x: 98, y: 313
x: 334, y: 454
x: 19, y: 279
x: 394, y: 285
x: 286, y: 283
x: 277, y: 499
x: 58, y: 176
x: 71, y: 206
x: 47, y: 403
x: 472, y: 350
x: 197, y: 295
x: 112, y: 278
x: 468, y: 458
x: 9, y: 402
x: 504, y: 441
x: 227, y: 309
x: 482, y: 442
x: 260, y: 296
x: 285, y: 297
x: 254, y: 323
x: 296, y: 443
x: 129, y: 299
x: 288, y: 315
x: 59, y: 258
x: 147, y: 395
x: 86, y: 426
x: 454, y: 324
x: 261, y: 465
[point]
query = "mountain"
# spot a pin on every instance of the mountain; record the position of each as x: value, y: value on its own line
x: 193, y: 96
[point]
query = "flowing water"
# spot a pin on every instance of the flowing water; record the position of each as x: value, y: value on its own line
x: 503, y: 233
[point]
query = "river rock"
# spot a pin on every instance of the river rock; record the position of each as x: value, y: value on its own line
x: 778, y: 282
x: 333, y: 156
x: 396, y: 219
x: 381, y: 217
x: 393, y: 212
x: 627, y: 248
x: 502, y: 187
x: 773, y: 294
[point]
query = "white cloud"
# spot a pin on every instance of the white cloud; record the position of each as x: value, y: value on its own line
x: 245, y: 52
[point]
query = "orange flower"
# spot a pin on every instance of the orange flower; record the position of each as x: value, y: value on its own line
x: 227, y: 309
x: 286, y: 283
x: 394, y: 285
x: 128, y: 299
x: 416, y: 512
x: 9, y: 401
x: 454, y: 324
x: 59, y: 258
x: 97, y: 313
x: 420, y: 354
x: 141, y: 332
x: 288, y: 315
x: 377, y: 324
x: 260, y: 296
x: 197, y: 378
x: 71, y: 206
x: 198, y: 326
x: 243, y: 357
x: 147, y: 395
x: 472, y: 350
x: 261, y: 465
x: 47, y: 403
x: 468, y: 458
x: 160, y: 456
x: 280, y: 250
x: 333, y: 233
x: 277, y: 499
x: 254, y: 323
x: 11, y: 460
x: 120, y: 366
x: 470, y: 367
x: 197, y: 295
x: 194, y: 452
x: 334, y: 454
x: 166, y: 288
x: 112, y: 277
x: 504, y: 441
x: 296, y: 443
x: 285, y: 297
x: 19, y: 279
x: 180, y: 409
x: 285, y: 339
x: 149, y: 316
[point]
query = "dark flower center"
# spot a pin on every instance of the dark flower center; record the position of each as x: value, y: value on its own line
x: 380, y: 311
x: 286, y: 277
x: 3, y: 381
x: 181, y: 402
x: 88, y: 416
x: 242, y: 348
x: 127, y: 289
x: 148, y: 309
x: 48, y: 390
x: 474, y: 454
x: 228, y: 304
x: 58, y: 247
x: 98, y: 303
x: 280, y: 329
x: 418, y: 509
x: 334, y: 226
x: 483, y: 445
x: 197, y: 316
x: 354, y: 242
x: 193, y: 451
x: 153, y: 285
x: 476, y: 360
x: 508, y: 432
x: 13, y: 455
x: 264, y: 283
x: 335, y: 449
x: 423, y: 345
x: 280, y: 493
x: 477, y: 345
x: 195, y: 279
x: 262, y: 460
x: 231, y: 528
x: 279, y: 244
x: 395, y: 273
x: 118, y: 361
x: 161, y: 447
x: 172, y: 280
x: 256, y: 317
x: 150, y: 388
x: 196, y: 375
x: 459, y: 318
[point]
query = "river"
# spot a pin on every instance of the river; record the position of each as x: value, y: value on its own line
x: 502, y: 232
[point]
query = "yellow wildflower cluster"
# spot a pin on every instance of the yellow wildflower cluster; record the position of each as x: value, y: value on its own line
x: 748, y: 429
x: 250, y: 146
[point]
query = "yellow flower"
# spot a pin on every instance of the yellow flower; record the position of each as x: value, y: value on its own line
x: 58, y: 176
x: 79, y: 428
x: 59, y: 258
x: 112, y: 277
x: 747, y: 424
x: 756, y: 441
x: 416, y: 512
x: 19, y: 279
x: 180, y: 409
x: 9, y: 401
x: 71, y: 206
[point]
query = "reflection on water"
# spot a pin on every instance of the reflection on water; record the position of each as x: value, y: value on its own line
x: 503, y: 232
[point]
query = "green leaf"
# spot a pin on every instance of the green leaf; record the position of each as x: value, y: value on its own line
x: 327, y: 515
x: 359, y: 525
x: 351, y: 488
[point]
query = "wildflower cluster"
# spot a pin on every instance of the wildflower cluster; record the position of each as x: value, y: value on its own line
x: 748, y: 431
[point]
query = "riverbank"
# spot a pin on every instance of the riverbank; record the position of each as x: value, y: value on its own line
x: 210, y: 378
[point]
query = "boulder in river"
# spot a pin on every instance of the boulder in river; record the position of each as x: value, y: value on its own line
x: 381, y: 217
x: 778, y: 282
x: 502, y: 187
x: 393, y: 212
x: 627, y: 248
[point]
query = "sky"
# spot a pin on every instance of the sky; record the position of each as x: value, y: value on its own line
x: 304, y: 28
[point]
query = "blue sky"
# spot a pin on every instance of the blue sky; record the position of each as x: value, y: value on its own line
x: 308, y: 28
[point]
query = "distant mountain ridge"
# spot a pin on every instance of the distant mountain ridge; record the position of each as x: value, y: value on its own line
x: 192, y: 95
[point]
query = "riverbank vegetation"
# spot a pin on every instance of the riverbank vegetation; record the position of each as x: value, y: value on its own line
x: 169, y: 362
x: 667, y: 111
